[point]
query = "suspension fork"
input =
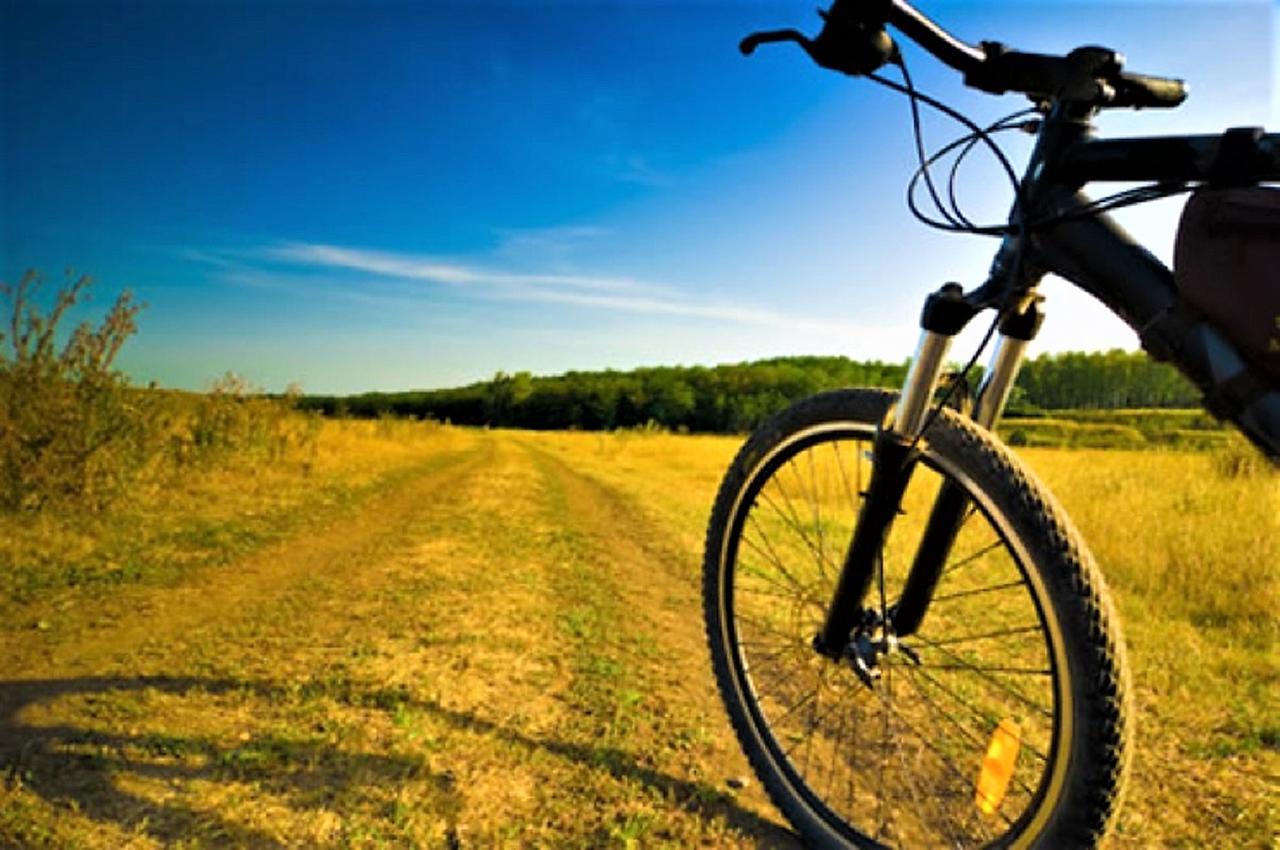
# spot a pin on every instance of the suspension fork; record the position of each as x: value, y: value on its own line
x: 950, y: 509
x: 946, y: 312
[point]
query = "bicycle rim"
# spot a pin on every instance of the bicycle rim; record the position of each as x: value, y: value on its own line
x: 900, y: 762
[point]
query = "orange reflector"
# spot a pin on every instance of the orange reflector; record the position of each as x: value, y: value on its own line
x: 997, y: 766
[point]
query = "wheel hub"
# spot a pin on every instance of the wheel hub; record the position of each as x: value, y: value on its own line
x: 871, y: 642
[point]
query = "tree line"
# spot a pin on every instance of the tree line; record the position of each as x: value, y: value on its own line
x: 737, y: 397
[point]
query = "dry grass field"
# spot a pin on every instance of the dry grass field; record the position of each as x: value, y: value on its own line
x: 439, y: 637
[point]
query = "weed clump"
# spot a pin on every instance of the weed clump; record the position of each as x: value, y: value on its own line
x: 74, y: 433
x: 68, y: 427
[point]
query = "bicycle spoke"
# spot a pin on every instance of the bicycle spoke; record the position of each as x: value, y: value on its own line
x: 971, y: 558
x: 856, y: 748
x: 795, y: 525
x: 936, y: 711
x: 987, y: 676
x: 770, y: 682
x: 961, y: 594
x: 819, y: 550
x: 783, y: 592
x: 987, y: 636
x: 776, y: 651
x: 854, y: 501
x: 813, y: 727
x: 1012, y: 671
x: 906, y: 774
x: 883, y: 760
x: 788, y: 646
x: 755, y: 591
x: 816, y: 495
x: 979, y: 745
x: 946, y: 762
x: 818, y: 720
x: 989, y: 721
x: 778, y: 721
x: 772, y: 557
x: 768, y: 628
x: 831, y: 765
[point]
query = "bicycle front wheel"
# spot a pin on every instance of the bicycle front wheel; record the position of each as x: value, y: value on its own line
x: 1001, y: 722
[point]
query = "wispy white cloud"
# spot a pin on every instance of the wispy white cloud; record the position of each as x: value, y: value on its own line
x: 203, y: 257
x: 374, y: 262
x: 549, y: 243
x: 623, y: 295
x: 663, y: 307
x: 433, y: 270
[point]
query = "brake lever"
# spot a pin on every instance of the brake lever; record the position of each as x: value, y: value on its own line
x: 845, y: 44
x: 749, y: 44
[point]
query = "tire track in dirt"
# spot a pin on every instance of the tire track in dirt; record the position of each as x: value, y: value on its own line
x: 657, y: 590
x: 426, y: 668
x: 522, y: 690
x: 285, y: 668
x: 149, y: 623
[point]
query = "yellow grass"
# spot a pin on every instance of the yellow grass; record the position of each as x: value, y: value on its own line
x: 1193, y: 558
x: 204, y: 515
x: 446, y: 637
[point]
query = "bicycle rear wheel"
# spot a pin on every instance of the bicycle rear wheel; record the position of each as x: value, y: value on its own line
x: 1017, y: 665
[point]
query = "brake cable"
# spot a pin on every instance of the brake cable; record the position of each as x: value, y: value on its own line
x: 955, y: 219
x: 915, y: 97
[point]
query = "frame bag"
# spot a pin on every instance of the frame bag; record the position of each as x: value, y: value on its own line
x: 1227, y: 267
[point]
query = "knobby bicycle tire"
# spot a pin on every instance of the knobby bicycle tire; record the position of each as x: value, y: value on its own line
x: 1021, y: 637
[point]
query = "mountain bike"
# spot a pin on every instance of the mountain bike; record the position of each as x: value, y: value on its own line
x: 913, y: 643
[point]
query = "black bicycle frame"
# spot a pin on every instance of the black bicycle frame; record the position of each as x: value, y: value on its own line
x: 1093, y: 252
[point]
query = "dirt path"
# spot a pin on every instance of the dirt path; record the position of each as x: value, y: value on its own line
x: 135, y: 623
x: 499, y: 651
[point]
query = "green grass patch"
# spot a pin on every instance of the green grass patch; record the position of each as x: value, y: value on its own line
x: 1178, y: 429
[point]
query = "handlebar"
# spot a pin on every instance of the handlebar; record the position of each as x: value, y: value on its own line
x: 853, y: 41
x: 950, y: 50
x: 1139, y: 90
x: 1087, y: 75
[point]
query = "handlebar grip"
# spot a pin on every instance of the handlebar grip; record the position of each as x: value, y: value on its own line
x: 1157, y: 92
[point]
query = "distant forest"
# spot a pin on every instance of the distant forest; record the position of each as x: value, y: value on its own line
x: 735, y: 398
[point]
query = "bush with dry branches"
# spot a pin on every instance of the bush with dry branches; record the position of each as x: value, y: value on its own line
x: 69, y: 428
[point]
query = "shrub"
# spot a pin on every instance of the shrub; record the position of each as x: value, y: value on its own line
x: 73, y: 432
x: 68, y: 425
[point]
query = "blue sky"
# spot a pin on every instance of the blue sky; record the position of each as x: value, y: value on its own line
x: 393, y: 196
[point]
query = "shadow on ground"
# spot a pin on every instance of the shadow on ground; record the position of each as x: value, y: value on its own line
x: 77, y: 766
